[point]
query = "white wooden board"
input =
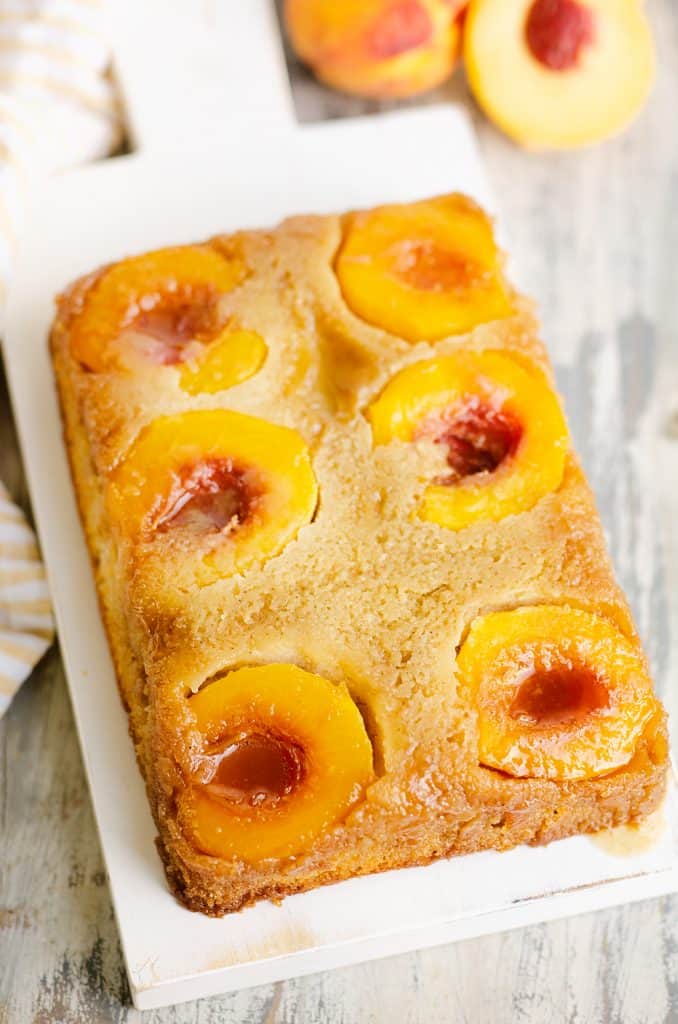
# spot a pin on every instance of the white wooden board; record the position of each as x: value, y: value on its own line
x: 133, y: 203
x: 188, y: 75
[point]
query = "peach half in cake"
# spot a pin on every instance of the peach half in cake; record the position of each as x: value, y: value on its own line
x: 165, y: 309
x: 218, y: 486
x: 282, y: 755
x: 559, y: 73
x: 560, y: 693
x: 499, y: 423
x: 424, y: 271
x: 380, y: 48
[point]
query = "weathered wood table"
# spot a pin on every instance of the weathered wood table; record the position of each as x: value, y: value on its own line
x: 595, y: 235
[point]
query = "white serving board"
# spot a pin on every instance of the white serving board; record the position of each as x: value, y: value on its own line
x: 86, y: 218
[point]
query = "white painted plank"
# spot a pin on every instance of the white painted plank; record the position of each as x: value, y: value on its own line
x: 198, y: 70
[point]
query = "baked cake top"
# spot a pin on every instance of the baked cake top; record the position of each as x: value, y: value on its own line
x: 336, y: 447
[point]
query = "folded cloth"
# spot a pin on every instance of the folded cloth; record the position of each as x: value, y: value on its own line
x: 26, y: 626
x: 58, y: 108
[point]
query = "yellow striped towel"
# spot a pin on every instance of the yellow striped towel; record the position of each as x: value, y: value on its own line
x: 26, y: 627
x: 57, y: 108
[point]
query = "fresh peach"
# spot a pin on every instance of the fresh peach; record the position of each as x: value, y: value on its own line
x: 379, y: 48
x: 164, y: 308
x: 559, y: 73
x: 559, y: 692
x: 500, y: 424
x: 424, y: 270
x: 284, y: 755
x: 216, y: 487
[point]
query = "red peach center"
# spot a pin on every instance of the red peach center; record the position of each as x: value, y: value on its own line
x: 401, y: 27
x: 209, y: 497
x: 559, y: 695
x: 173, y: 319
x: 428, y: 267
x: 478, y: 438
x: 557, y: 31
x: 257, y: 768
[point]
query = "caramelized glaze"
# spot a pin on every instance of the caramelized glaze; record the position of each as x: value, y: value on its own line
x: 257, y: 768
x: 558, y: 695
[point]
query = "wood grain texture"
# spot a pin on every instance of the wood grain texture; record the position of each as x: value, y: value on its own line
x: 595, y: 236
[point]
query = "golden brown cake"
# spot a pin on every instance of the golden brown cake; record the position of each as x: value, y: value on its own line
x: 352, y: 575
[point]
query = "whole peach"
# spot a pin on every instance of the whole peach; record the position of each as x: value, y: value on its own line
x: 377, y: 48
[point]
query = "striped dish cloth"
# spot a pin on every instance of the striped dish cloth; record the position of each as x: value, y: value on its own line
x: 57, y: 108
x: 26, y: 627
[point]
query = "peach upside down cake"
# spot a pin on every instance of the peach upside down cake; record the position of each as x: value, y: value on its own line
x: 352, y: 575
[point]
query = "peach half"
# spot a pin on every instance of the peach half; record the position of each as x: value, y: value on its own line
x: 559, y: 73
x: 228, y: 489
x: 559, y: 692
x: 500, y: 424
x: 164, y: 309
x: 378, y: 48
x: 423, y: 271
x: 284, y: 755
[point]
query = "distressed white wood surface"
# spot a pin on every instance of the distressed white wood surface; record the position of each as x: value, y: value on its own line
x: 596, y: 235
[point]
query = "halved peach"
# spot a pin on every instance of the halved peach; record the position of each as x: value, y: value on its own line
x: 228, y: 488
x: 379, y: 48
x: 501, y: 426
x: 424, y: 270
x: 559, y: 73
x: 560, y: 693
x: 284, y: 755
x: 164, y: 308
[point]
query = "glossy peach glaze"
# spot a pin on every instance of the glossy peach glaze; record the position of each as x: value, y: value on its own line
x: 165, y: 309
x: 550, y: 696
x: 499, y: 423
x: 219, y: 487
x: 255, y: 769
x: 380, y: 48
x: 423, y: 271
x: 281, y: 755
x: 557, y: 31
x: 559, y: 693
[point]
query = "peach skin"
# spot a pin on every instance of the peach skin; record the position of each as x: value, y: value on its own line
x: 385, y: 49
